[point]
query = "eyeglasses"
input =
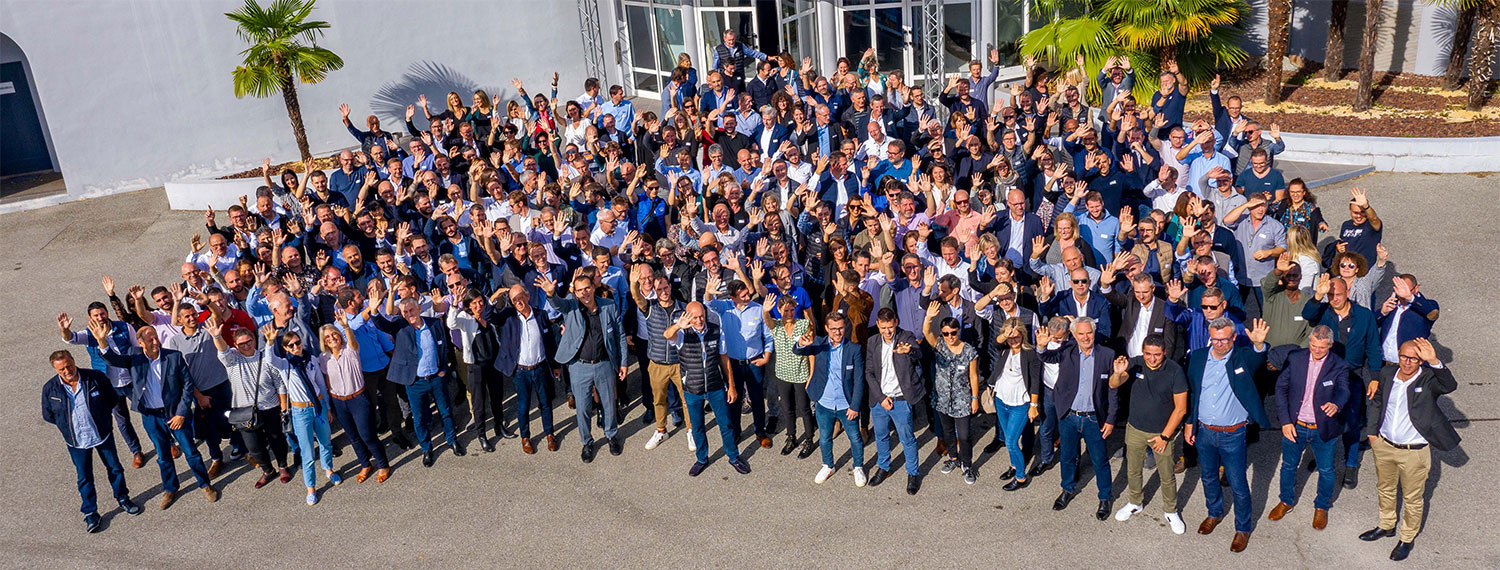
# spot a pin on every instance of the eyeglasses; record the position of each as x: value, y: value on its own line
x: 1405, y: 358
x: 1221, y: 340
x: 1215, y: 307
x: 1348, y: 266
x: 950, y: 334
x: 1080, y: 281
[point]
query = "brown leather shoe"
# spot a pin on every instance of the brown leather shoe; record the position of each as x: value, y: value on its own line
x: 942, y: 448
x: 1241, y: 539
x: 1209, y: 524
x: 551, y: 443
x: 167, y: 499
x: 1320, y: 519
x: 215, y: 468
x: 211, y: 493
x: 526, y: 446
x: 1179, y: 466
x: 572, y: 405
x: 363, y: 474
x: 176, y: 452
x: 1279, y: 511
x: 382, y: 475
x: 138, y: 462
x: 765, y: 442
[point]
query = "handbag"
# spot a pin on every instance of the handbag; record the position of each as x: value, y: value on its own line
x: 247, y: 418
x: 987, y: 400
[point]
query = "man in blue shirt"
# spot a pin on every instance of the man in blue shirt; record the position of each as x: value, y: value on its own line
x: 348, y: 178
x: 79, y: 403
x: 374, y: 356
x: 620, y: 108
x: 749, y: 348
x: 1098, y: 228
x: 837, y: 369
x: 1223, y: 402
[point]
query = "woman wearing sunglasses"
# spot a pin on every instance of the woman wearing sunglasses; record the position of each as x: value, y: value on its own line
x: 303, y: 395
x: 955, y: 389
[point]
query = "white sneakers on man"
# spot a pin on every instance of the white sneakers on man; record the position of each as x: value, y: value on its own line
x: 823, y: 475
x: 656, y: 439
x: 1127, y: 511
x: 859, y: 477
x: 1175, y: 520
x: 692, y: 443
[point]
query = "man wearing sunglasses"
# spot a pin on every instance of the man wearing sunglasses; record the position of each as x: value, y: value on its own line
x: 1196, y: 322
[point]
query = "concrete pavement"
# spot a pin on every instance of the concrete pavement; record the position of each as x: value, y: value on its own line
x: 641, y: 509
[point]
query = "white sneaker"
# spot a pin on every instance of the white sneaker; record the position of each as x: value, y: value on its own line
x: 859, y: 477
x: 656, y: 439
x: 823, y: 475
x: 692, y: 443
x: 1176, y: 521
x: 1127, y: 511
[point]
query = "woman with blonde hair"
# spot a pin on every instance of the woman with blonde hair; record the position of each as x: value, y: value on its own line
x: 1303, y: 252
x: 456, y: 109
x: 1016, y: 384
x: 1065, y: 235
x: 480, y: 113
x: 345, y: 383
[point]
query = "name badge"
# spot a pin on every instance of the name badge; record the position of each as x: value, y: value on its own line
x: 1158, y: 329
x: 94, y: 393
x: 1103, y: 376
x: 1139, y: 375
x: 56, y: 399
x: 1328, y: 383
x: 1297, y: 318
x: 1239, y: 370
x: 851, y: 367
x: 1417, y: 389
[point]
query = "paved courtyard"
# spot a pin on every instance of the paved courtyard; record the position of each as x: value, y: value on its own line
x: 642, y: 510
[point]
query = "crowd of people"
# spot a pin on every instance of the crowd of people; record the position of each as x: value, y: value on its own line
x: 843, y: 251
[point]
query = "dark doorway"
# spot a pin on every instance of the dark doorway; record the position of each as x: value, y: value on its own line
x: 25, y: 146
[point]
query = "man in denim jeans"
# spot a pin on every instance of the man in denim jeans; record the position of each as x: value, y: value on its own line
x: 1223, y: 403
x: 1308, y: 394
x: 834, y: 387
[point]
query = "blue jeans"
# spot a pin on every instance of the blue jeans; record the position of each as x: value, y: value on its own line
x: 357, y: 415
x: 1220, y: 449
x: 881, y: 420
x: 122, y: 420
x: 750, y: 384
x: 1012, y: 423
x: 1046, y: 433
x: 826, y: 418
x: 1071, y: 429
x: 162, y: 438
x: 1291, y: 458
x: 585, y: 378
x: 310, y: 425
x: 718, y: 400
x: 420, y: 393
x: 83, y: 463
x: 531, y: 388
x: 1352, y: 416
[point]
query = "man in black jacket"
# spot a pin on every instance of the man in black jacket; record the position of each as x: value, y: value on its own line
x: 1086, y: 407
x: 79, y: 403
x: 1404, y: 419
x: 894, y: 390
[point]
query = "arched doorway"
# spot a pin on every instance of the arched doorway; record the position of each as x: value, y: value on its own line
x: 28, y: 146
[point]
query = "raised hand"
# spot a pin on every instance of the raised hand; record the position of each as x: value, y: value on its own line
x: 1426, y: 352
x: 1121, y: 365
x: 806, y: 339
x: 1043, y: 337
x: 109, y: 286
x: 1358, y: 197
x: 1175, y: 290
x: 64, y: 322
x: 1214, y: 85
x: 1258, y: 331
x: 344, y: 110
x: 1045, y: 288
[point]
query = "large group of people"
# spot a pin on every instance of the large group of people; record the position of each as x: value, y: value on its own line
x: 1082, y: 270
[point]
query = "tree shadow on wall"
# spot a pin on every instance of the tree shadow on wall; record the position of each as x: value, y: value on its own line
x: 428, y: 78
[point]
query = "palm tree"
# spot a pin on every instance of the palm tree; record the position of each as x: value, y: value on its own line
x: 1453, y: 75
x: 1486, y: 24
x: 1199, y: 35
x: 1333, y: 54
x: 1364, y: 91
x: 283, y: 51
x: 1279, y: 29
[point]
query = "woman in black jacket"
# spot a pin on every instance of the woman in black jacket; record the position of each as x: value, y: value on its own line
x: 1017, y: 386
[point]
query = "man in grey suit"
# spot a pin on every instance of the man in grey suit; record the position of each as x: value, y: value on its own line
x: 593, y: 348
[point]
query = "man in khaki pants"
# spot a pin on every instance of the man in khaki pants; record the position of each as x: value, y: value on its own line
x: 1158, y: 403
x: 662, y: 370
x: 1404, y: 421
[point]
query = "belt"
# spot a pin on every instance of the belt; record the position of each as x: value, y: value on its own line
x: 301, y: 404
x: 154, y: 411
x: 1081, y: 414
x: 428, y: 377
x: 525, y: 367
x: 582, y: 361
x: 1225, y: 429
x: 1403, y: 445
x: 356, y: 394
x: 1307, y: 425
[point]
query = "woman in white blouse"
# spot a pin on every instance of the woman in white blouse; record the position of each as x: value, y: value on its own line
x: 1017, y: 385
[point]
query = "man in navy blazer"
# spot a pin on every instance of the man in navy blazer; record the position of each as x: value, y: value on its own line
x: 80, y: 402
x: 1223, y: 402
x: 1404, y: 316
x: 1086, y: 408
x: 163, y: 396
x: 1356, y: 341
x: 593, y: 348
x: 836, y: 391
x: 420, y: 363
x: 533, y: 380
x: 1309, y: 394
x: 1017, y: 219
x: 1067, y: 303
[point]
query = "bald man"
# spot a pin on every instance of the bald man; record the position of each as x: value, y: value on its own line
x: 526, y: 338
x: 706, y: 377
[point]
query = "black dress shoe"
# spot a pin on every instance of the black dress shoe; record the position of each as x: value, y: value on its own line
x: 459, y: 451
x: 1401, y: 551
x: 1008, y: 474
x: 1377, y: 533
x: 130, y: 507
x: 696, y: 469
x: 993, y: 446
x: 485, y: 445
x: 1351, y: 477
x: 741, y: 466
x: 1039, y: 468
x: 1103, y: 512
x: 808, y: 448
x: 338, y: 452
x: 791, y: 445
x: 1063, y: 500
x: 1016, y: 484
x: 428, y: 458
x: 771, y: 424
x: 588, y: 453
x: 913, y: 484
x: 92, y: 523
x: 507, y: 433
x: 877, y: 477
x: 615, y: 446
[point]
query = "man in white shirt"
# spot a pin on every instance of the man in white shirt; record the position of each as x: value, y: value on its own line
x: 895, y: 389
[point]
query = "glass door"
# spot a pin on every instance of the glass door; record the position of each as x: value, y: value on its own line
x: 713, y: 22
x: 654, y: 36
x: 958, y: 39
x: 799, y: 28
x: 881, y: 27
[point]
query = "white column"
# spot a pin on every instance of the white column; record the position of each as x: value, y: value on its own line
x: 986, y: 24
x: 829, y: 30
x: 690, y: 39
